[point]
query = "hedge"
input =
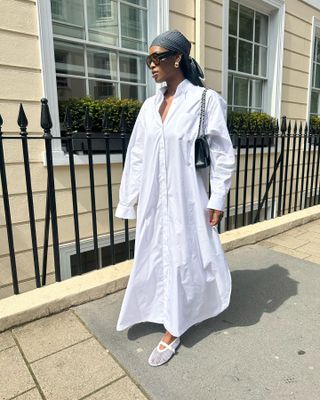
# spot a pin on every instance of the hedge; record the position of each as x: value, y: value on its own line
x: 255, y: 118
x: 112, y: 106
x: 130, y: 108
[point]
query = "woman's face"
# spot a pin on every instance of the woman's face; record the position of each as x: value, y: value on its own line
x: 165, y: 69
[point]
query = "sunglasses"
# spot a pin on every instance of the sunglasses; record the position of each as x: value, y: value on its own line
x: 157, y: 57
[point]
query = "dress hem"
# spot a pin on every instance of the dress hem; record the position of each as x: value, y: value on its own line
x: 122, y: 328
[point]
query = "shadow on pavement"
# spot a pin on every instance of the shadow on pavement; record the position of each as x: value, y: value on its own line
x: 254, y: 292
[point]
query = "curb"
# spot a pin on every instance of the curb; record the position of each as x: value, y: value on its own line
x: 41, y: 302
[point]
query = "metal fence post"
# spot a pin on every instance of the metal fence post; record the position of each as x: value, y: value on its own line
x: 7, y: 214
x: 23, y: 123
x: 46, y: 125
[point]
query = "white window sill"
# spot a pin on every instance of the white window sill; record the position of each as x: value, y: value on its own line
x: 60, y: 158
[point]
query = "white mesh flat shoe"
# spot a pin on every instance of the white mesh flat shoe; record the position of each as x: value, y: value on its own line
x: 159, y: 357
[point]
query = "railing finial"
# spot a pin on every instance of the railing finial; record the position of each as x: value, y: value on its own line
x: 87, y: 121
x: 67, y: 122
x: 22, y: 121
x: 283, y: 124
x: 122, y: 126
x: 105, y: 122
x: 45, y: 120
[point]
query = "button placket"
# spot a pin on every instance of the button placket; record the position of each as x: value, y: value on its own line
x: 164, y: 200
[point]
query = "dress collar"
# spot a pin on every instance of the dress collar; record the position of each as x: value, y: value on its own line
x: 181, y: 88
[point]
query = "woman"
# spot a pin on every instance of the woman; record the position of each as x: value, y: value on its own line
x: 180, y: 276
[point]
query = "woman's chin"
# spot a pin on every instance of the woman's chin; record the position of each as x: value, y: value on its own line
x: 158, y: 79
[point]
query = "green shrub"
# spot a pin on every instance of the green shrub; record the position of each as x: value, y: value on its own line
x: 255, y: 119
x: 112, y: 106
x: 315, y: 122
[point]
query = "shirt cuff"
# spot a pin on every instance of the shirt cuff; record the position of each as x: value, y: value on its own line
x: 216, y: 202
x: 126, y: 212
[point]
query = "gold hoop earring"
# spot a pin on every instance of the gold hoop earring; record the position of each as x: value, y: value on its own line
x: 176, y: 64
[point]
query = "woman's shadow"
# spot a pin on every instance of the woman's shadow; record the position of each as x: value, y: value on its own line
x: 254, y: 292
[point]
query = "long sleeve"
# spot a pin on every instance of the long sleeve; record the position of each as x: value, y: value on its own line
x: 132, y: 172
x: 222, y: 159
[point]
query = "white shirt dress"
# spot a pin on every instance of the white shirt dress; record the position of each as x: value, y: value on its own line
x: 179, y: 276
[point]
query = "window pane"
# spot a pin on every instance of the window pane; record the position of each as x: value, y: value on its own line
x: 255, y: 93
x: 132, y: 68
x: 57, y: 9
x: 230, y: 89
x: 103, y: 21
x: 133, y: 92
x: 133, y: 28
x: 69, y: 58
x: 68, y: 18
x: 317, y: 50
x: 261, y: 34
x: 317, y: 79
x: 245, y: 57
x: 314, y: 103
x: 70, y: 87
x: 232, y: 53
x: 233, y: 18
x: 142, y: 3
x: 102, y: 63
x: 260, y: 60
x: 241, y: 91
x: 240, y: 109
x: 101, y: 90
x: 246, y: 23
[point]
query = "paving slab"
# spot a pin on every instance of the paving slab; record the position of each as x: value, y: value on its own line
x: 49, y: 335
x: 123, y: 389
x: 264, y: 346
x: 291, y: 252
x: 32, y: 394
x: 6, y: 340
x: 76, y: 372
x: 15, y: 377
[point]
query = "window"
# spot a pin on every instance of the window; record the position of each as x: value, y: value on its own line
x: 57, y: 9
x: 88, y: 261
x: 248, y: 58
x: 100, y: 48
x: 108, y: 40
x: 68, y: 257
x: 104, y: 10
x: 315, y: 83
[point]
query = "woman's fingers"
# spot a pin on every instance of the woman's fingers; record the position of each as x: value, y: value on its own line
x: 215, y: 216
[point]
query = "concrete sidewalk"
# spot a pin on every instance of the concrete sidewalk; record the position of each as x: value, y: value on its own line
x: 264, y: 346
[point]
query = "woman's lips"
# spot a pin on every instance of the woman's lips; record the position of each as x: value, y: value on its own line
x: 154, y: 74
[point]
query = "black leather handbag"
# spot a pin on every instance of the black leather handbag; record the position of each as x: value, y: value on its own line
x: 202, y: 151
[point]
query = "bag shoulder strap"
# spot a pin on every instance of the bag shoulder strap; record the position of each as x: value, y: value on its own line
x: 202, y: 112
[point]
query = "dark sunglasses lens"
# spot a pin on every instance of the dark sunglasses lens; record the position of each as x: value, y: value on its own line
x: 153, y: 58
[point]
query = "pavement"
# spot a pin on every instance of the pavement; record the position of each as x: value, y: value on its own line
x: 264, y: 346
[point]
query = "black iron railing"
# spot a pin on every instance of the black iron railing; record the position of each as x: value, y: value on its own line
x: 277, y: 172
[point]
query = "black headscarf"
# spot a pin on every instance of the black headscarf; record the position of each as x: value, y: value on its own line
x: 175, y: 41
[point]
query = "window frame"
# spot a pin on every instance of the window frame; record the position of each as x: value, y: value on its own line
x: 249, y: 76
x: 315, y: 32
x: 271, y: 102
x: 158, y: 10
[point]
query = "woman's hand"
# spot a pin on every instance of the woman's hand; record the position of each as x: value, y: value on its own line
x: 215, y: 216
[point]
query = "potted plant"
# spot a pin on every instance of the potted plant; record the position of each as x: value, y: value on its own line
x: 314, y: 130
x: 248, y: 126
x: 112, y: 108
